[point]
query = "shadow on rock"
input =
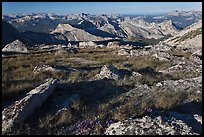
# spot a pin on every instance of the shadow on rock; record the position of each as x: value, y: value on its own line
x: 149, y: 71
x: 94, y: 92
x: 190, y: 113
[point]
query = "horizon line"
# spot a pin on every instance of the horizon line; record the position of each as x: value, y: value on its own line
x: 139, y: 13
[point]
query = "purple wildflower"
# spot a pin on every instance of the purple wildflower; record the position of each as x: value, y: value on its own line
x: 149, y: 110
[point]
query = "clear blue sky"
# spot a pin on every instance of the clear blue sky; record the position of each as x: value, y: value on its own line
x: 63, y: 8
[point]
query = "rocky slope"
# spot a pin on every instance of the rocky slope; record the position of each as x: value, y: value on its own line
x: 9, y: 34
x: 190, y: 38
x: 74, y: 34
x: 140, y: 28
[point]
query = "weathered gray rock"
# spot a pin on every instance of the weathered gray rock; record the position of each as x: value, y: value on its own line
x: 136, y: 74
x: 16, y: 46
x: 123, y: 52
x: 101, y: 46
x: 47, y: 47
x: 113, y: 45
x: 181, y: 85
x: 163, y: 47
x: 148, y: 47
x: 65, y: 50
x: 43, y: 68
x: 22, y: 109
x: 139, y: 90
x: 69, y: 45
x: 126, y: 46
x: 87, y: 44
x: 169, y: 123
x: 110, y: 72
x: 189, y: 85
x: 162, y: 56
x: 194, y: 64
x: 139, y: 53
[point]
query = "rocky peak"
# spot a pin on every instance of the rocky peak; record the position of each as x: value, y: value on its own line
x: 63, y: 27
x: 168, y: 27
x: 166, y: 22
x: 189, y: 37
x: 142, y: 22
x: 173, y: 13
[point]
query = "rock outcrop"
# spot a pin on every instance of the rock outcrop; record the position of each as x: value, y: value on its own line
x: 163, y: 122
x: 136, y: 74
x: 65, y: 50
x: 22, y: 109
x: 109, y: 72
x: 185, y: 66
x: 188, y: 85
x: 16, y: 46
x: 162, y: 56
x: 139, y: 90
x: 87, y: 44
x: 181, y: 85
x: 113, y: 45
x: 139, y: 53
x: 44, y: 68
x: 158, y: 123
x: 124, y: 52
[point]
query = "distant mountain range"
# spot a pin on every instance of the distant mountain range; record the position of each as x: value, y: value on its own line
x: 47, y: 22
x: 181, y: 19
x: 51, y: 28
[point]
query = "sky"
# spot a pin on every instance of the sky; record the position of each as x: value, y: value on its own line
x: 64, y: 8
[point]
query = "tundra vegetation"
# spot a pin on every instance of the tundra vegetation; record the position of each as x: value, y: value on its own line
x: 100, y: 106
